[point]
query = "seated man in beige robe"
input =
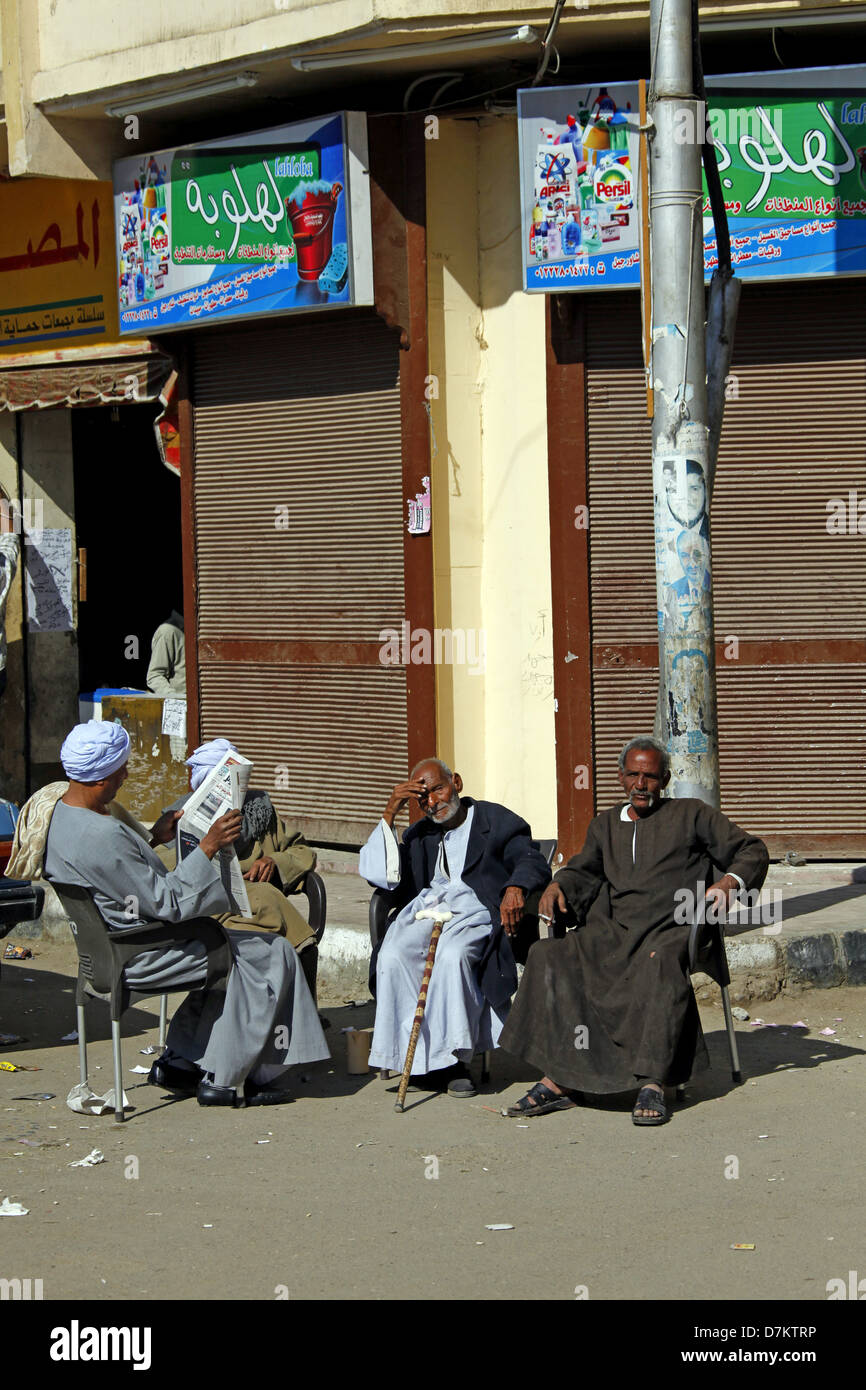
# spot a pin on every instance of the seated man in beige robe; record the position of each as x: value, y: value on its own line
x: 274, y: 861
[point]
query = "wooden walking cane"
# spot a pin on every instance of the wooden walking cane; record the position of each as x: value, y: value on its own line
x: 439, y: 921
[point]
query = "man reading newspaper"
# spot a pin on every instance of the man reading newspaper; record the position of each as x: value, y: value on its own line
x: 274, y: 860
x: 264, y: 1020
x: 223, y: 790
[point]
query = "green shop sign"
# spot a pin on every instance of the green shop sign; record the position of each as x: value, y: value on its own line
x: 790, y: 154
x: 231, y: 206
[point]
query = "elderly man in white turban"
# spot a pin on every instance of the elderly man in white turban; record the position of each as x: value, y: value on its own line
x: 264, y: 1021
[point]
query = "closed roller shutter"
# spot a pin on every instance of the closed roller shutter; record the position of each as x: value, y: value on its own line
x: 792, y: 688
x: 299, y: 554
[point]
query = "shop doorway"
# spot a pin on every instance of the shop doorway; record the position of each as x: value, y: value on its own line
x: 127, y: 517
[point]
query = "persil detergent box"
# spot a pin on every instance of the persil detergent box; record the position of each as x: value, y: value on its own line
x: 613, y: 185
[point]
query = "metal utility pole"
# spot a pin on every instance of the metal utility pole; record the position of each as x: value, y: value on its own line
x: 686, y: 715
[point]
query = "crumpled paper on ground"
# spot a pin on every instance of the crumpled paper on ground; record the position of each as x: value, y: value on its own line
x: 90, y: 1161
x: 84, y: 1101
x: 8, y: 1208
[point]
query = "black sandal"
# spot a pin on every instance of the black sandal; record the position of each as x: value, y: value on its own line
x: 650, y: 1099
x: 539, y: 1101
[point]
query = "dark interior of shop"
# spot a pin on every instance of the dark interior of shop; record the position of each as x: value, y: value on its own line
x: 127, y: 506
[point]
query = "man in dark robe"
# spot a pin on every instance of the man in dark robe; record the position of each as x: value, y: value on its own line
x: 610, y: 1006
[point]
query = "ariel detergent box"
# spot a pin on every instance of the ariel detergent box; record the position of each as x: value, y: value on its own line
x: 580, y: 212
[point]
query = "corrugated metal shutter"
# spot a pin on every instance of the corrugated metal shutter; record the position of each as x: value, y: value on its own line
x: 792, y: 704
x: 299, y: 552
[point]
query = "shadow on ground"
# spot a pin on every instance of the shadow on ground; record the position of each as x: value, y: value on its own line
x: 40, y: 1005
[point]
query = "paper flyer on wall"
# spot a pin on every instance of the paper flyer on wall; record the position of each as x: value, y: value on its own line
x: 224, y: 789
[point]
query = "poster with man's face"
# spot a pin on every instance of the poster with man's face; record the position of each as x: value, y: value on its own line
x: 682, y: 545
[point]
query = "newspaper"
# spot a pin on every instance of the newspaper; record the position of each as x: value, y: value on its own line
x: 224, y: 789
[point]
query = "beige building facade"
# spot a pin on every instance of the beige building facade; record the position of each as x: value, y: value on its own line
x: 87, y: 82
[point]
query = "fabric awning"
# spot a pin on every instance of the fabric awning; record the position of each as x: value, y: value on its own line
x: 114, y: 373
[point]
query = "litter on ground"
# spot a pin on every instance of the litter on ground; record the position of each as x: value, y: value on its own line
x: 90, y: 1161
x: 8, y: 1208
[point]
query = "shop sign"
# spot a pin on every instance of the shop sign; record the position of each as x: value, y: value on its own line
x: 57, y: 273
x: 791, y: 149
x: 270, y: 222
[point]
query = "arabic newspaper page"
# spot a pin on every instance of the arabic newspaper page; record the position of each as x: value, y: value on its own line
x: 224, y: 789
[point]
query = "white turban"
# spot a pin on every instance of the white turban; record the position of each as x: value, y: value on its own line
x: 207, y: 757
x: 94, y: 750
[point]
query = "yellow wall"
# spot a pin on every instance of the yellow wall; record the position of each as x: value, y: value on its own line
x: 490, y: 502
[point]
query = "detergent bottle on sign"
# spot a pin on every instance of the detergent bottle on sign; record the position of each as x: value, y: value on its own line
x: 619, y: 132
x: 573, y: 136
x: 596, y: 141
x: 534, y: 243
x: 589, y: 233
x: 571, y: 233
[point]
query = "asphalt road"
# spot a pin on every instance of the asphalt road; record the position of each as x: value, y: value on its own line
x: 348, y: 1199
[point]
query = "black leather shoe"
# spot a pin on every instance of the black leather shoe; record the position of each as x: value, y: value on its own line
x: 265, y: 1095
x: 460, y: 1082
x: 209, y: 1094
x: 454, y: 1079
x: 172, y: 1078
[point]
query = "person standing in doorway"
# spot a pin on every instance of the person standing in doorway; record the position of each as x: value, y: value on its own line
x: 166, y: 674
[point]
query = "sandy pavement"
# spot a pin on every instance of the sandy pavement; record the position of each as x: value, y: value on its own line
x: 345, y: 1194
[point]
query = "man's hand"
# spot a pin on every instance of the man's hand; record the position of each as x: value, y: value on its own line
x: 403, y: 792
x: 262, y: 871
x: 552, y: 900
x: 720, y: 893
x: 163, y: 829
x: 222, y: 833
x: 511, y: 909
